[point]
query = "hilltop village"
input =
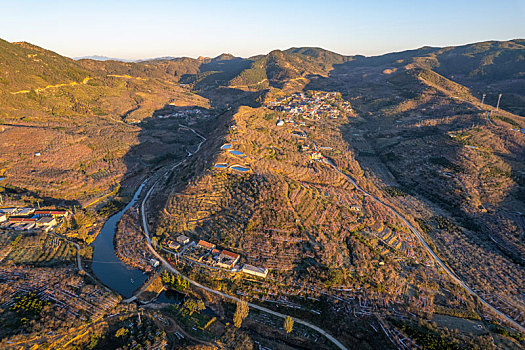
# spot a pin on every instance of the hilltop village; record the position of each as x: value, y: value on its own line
x: 312, y: 105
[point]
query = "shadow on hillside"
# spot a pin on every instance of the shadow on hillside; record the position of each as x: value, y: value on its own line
x: 368, y: 85
x: 214, y: 77
x: 25, y: 195
x: 166, y: 139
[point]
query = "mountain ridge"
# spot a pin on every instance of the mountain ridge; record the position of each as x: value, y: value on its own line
x: 318, y: 169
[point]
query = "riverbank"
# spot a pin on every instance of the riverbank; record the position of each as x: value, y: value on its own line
x: 128, y: 241
x: 106, y: 265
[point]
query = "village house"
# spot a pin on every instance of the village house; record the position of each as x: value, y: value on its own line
x: 25, y: 211
x: 205, y: 245
x: 23, y: 226
x: 9, y: 211
x: 228, y: 259
x: 46, y: 222
x: 173, y: 245
x: 16, y: 219
x: 201, y: 251
x: 183, y: 239
x: 355, y: 208
x: 316, y: 155
x: 54, y: 213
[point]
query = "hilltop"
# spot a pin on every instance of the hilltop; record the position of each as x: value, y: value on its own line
x: 382, y: 196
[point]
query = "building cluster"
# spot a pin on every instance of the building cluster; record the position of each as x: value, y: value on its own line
x: 31, y: 219
x: 191, y: 116
x: 206, y: 253
x: 311, y: 106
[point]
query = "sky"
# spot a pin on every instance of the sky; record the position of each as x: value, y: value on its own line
x: 135, y: 29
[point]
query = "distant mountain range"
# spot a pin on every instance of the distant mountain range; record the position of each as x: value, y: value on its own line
x: 103, y: 58
x: 485, y: 67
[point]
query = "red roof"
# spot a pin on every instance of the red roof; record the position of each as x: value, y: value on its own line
x: 50, y: 212
x: 22, y: 219
x: 206, y: 244
x: 230, y: 254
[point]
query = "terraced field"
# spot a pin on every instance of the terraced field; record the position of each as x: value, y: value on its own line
x: 289, y: 212
x: 40, y: 249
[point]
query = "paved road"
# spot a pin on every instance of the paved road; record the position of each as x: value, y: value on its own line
x: 331, y: 338
x: 431, y: 252
x: 168, y: 266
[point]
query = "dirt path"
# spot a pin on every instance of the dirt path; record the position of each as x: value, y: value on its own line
x: 73, y: 83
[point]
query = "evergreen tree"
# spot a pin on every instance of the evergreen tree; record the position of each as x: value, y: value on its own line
x: 288, y: 324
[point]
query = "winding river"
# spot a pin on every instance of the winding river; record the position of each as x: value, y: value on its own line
x: 106, y: 265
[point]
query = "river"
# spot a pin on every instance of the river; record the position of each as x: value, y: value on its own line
x: 108, y: 268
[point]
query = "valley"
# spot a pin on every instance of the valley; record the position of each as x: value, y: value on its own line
x: 371, y: 199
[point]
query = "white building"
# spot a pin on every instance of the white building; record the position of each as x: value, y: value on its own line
x: 183, y: 239
x: 254, y: 270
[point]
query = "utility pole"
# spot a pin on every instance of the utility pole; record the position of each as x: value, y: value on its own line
x: 499, y: 98
x: 483, y: 100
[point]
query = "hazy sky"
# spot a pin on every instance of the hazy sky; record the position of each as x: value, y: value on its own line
x: 153, y: 28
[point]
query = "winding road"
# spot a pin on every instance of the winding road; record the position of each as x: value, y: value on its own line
x: 168, y: 266
x: 416, y: 233
x: 449, y: 271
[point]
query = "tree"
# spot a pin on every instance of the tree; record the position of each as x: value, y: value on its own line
x: 288, y: 324
x: 165, y: 277
x: 194, y: 305
x: 191, y: 305
x: 200, y: 305
x: 121, y: 332
x: 240, y: 313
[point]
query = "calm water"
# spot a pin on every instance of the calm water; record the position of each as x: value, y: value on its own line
x: 107, y: 266
x: 226, y: 146
x: 171, y: 297
x: 239, y: 168
x: 237, y: 153
x: 221, y: 165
